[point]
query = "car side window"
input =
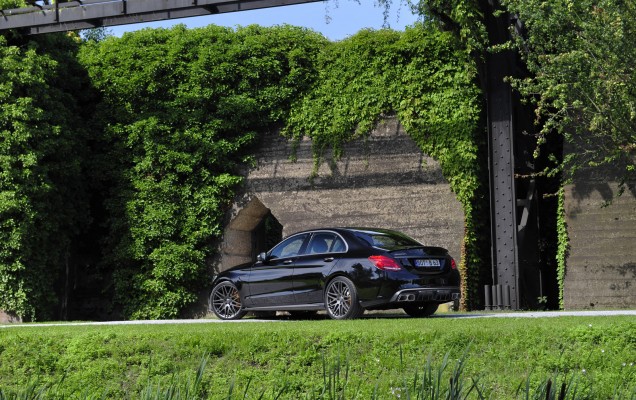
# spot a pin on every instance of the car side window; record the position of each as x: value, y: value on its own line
x: 325, y: 242
x: 288, y: 248
x: 338, y: 245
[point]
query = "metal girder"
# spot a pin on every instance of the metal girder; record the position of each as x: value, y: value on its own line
x: 85, y: 14
x: 517, y: 280
x: 501, y: 158
x: 503, y: 200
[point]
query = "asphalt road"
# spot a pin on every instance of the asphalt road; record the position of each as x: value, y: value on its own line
x: 527, y: 314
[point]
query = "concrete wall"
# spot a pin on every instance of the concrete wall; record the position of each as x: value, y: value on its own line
x: 381, y: 181
x: 601, y: 267
x: 237, y: 246
x: 8, y: 318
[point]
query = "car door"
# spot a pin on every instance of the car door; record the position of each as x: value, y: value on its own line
x: 323, y: 251
x: 271, y: 281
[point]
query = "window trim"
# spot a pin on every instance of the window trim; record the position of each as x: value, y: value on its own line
x: 328, y: 252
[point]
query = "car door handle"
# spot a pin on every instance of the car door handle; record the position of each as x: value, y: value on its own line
x: 328, y: 259
x: 288, y: 261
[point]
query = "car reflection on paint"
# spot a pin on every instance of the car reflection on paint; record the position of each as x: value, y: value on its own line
x: 343, y: 271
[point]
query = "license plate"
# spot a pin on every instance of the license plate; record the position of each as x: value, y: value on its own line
x: 427, y: 263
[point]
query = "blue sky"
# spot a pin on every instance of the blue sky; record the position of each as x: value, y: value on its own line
x: 335, y: 19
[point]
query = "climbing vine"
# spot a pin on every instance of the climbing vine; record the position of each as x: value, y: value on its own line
x: 425, y: 79
x: 563, y: 245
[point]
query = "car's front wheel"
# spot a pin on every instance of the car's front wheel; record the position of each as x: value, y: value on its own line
x: 421, y: 310
x: 341, y: 299
x: 225, y: 301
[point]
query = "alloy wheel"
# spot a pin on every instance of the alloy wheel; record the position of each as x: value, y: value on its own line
x: 225, y: 301
x: 341, y: 299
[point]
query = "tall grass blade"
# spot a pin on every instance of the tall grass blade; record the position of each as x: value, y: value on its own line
x: 230, y: 390
x: 281, y: 391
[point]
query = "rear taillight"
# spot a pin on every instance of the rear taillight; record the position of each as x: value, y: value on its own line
x: 453, y: 264
x: 385, y: 263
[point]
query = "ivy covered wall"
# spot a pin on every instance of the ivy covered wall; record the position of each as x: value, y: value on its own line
x: 155, y: 125
x: 179, y: 111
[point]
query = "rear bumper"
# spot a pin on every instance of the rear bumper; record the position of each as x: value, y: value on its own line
x: 412, y: 295
x: 441, y: 294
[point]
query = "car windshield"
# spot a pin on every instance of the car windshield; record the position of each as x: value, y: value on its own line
x: 387, y: 240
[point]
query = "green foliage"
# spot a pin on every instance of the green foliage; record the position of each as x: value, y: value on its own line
x: 8, y: 4
x: 581, y: 57
x: 465, y: 18
x: 424, y: 78
x: 180, y: 108
x: 563, y: 244
x: 369, y: 358
x: 42, y: 198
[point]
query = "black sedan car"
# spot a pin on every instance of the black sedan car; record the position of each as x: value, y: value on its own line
x: 344, y: 271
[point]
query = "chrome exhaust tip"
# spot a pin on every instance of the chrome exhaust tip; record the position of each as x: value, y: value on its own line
x: 406, y: 297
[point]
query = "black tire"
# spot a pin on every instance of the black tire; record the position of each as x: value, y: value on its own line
x: 421, y: 310
x: 225, y: 301
x: 341, y: 299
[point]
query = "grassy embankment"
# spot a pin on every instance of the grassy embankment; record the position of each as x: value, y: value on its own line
x: 369, y: 358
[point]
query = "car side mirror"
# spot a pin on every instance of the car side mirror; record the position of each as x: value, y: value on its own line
x: 262, y: 257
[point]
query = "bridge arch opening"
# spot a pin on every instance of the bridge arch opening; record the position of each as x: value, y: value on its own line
x: 253, y: 229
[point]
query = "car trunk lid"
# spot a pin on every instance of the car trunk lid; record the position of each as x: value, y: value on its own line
x: 425, y: 260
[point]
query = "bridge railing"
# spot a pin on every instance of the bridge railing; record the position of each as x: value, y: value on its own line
x: 84, y: 14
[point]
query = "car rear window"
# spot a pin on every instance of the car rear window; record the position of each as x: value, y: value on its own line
x: 387, y: 240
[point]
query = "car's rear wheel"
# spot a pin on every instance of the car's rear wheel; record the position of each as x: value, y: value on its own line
x: 341, y: 299
x: 420, y: 310
x: 225, y: 301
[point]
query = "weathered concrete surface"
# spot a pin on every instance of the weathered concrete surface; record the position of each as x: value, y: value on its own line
x: 8, y: 318
x: 383, y: 180
x: 237, y: 246
x: 601, y: 267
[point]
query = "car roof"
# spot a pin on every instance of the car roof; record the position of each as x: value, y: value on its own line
x: 355, y: 231
x: 349, y: 229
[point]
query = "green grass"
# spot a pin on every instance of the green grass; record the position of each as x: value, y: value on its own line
x: 369, y: 358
